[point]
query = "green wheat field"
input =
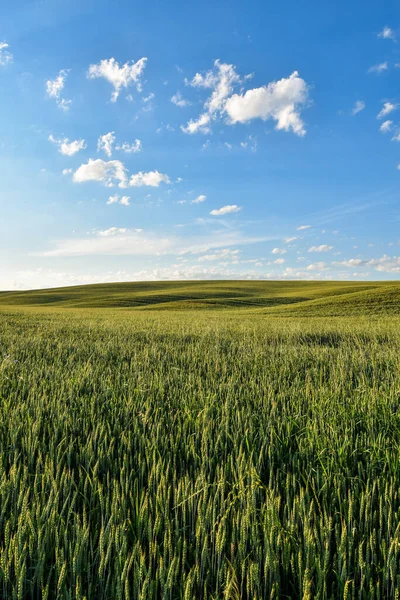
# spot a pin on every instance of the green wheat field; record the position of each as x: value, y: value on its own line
x: 202, y: 440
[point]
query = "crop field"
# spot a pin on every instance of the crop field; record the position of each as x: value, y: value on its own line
x: 208, y: 440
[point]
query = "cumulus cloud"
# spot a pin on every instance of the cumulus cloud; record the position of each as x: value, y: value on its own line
x: 66, y: 147
x: 319, y: 266
x: 386, y: 126
x: 386, y: 264
x: 279, y: 261
x: 200, y: 125
x: 5, y: 55
x: 290, y: 239
x: 114, y: 171
x: 303, y: 227
x: 178, y: 100
x: 221, y: 80
x: 279, y: 100
x: 388, y: 107
x: 380, y: 68
x: 106, y: 143
x: 321, y: 248
x: 54, y: 87
x: 225, y: 210
x: 106, y: 172
x: 387, y: 33
x: 279, y: 251
x: 120, y: 77
x: 152, y: 179
x: 135, y: 146
x: 358, y: 107
x: 199, y: 199
x: 115, y: 199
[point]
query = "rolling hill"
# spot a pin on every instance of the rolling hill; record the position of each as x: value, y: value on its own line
x: 289, y: 298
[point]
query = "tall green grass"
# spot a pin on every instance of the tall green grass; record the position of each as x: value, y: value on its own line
x: 198, y: 456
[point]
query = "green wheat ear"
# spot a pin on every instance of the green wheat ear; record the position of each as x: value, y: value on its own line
x: 223, y: 454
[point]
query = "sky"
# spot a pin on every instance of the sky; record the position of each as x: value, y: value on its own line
x: 213, y: 140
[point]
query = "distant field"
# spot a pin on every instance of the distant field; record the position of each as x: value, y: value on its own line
x: 289, y: 298
x: 246, y: 452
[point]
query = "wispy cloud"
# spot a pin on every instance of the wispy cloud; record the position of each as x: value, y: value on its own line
x: 5, y: 55
x: 387, y: 33
x: 358, y: 107
x: 135, y: 242
x: 380, y: 68
x: 388, y: 107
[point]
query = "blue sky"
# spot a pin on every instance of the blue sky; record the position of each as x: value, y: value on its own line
x: 221, y: 140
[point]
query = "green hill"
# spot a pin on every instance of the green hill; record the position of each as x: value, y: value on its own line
x: 302, y: 298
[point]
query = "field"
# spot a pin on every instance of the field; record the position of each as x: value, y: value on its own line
x: 208, y: 440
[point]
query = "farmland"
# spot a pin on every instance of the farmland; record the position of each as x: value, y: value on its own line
x: 199, y: 440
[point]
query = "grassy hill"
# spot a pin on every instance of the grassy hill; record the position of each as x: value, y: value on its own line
x: 289, y: 298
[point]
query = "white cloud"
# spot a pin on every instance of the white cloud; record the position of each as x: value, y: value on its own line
x: 112, y: 231
x: 201, y: 125
x: 66, y: 147
x: 134, y: 242
x: 225, y: 210
x: 199, y: 199
x: 387, y: 33
x: 386, y: 126
x: 106, y: 143
x: 303, y: 227
x: 388, y: 107
x: 54, y: 87
x: 5, y: 55
x: 102, y: 171
x: 135, y: 146
x: 279, y: 251
x: 178, y: 100
x: 152, y: 179
x: 319, y: 266
x: 358, y: 107
x: 115, y: 199
x: 112, y: 171
x: 149, y: 98
x: 379, y: 68
x: 221, y: 80
x: 119, y: 77
x: 290, y: 239
x: 322, y: 248
x: 279, y: 100
x: 67, y: 171
x: 250, y: 143
x: 279, y: 261
x: 385, y: 264
x: 225, y: 254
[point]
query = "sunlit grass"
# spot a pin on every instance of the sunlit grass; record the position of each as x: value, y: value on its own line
x: 198, y: 454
